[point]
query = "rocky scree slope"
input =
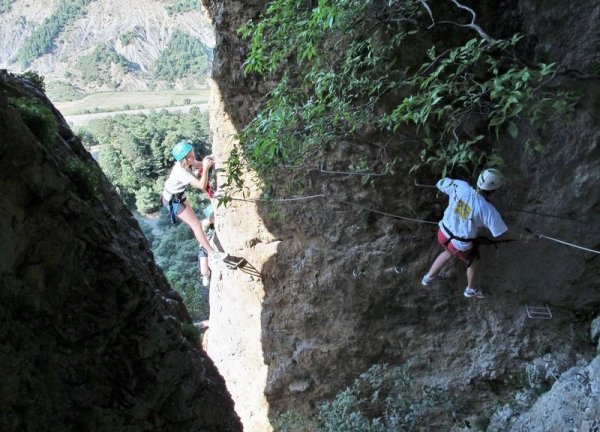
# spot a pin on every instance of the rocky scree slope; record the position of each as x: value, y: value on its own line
x: 326, y: 305
x: 103, y: 23
x: 92, y: 336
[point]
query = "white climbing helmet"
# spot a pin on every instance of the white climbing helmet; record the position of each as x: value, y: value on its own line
x: 490, y: 179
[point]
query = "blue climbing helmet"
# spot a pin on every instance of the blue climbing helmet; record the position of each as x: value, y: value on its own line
x: 181, y: 149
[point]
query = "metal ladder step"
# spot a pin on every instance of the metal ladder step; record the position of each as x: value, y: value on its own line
x: 538, y: 312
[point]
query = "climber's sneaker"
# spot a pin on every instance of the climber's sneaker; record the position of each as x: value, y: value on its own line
x: 470, y: 292
x: 427, y: 280
x: 205, y: 280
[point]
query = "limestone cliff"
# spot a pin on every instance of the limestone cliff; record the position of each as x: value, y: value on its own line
x: 92, y: 336
x: 333, y: 290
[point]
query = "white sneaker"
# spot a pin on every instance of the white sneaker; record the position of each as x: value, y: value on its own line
x: 205, y: 280
x: 470, y: 292
x: 427, y: 280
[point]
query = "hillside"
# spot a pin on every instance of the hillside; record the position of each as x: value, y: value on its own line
x: 108, y: 45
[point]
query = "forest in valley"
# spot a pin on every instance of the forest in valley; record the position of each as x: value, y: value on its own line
x: 134, y: 151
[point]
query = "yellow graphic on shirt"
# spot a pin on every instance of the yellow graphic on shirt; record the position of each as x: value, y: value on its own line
x: 462, y: 210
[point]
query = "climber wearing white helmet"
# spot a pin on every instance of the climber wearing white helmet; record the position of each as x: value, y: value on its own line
x: 468, y: 211
x: 187, y: 171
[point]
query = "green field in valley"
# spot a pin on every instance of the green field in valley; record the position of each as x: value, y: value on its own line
x: 117, y: 101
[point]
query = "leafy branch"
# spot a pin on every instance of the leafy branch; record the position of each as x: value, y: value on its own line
x: 341, y: 67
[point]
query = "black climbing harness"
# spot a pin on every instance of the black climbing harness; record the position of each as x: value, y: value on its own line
x: 474, y: 249
x: 479, y: 240
x: 174, y: 202
x: 453, y: 237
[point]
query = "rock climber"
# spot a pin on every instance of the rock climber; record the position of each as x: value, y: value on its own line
x: 468, y: 211
x: 188, y: 171
x: 207, y: 224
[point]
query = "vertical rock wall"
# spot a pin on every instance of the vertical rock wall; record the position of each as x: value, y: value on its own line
x: 91, y: 335
x: 339, y: 288
x: 236, y: 296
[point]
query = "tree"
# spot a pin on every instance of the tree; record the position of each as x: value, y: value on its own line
x: 147, y: 200
x: 184, y: 56
x: 176, y: 251
x: 135, y: 151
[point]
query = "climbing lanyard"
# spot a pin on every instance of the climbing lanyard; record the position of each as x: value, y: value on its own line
x: 174, y: 202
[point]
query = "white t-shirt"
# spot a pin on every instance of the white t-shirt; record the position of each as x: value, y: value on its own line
x: 468, y: 211
x: 178, y: 180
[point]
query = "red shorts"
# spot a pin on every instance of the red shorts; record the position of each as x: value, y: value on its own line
x: 467, y: 256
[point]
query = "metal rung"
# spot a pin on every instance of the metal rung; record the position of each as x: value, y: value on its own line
x: 538, y: 312
x: 234, y: 263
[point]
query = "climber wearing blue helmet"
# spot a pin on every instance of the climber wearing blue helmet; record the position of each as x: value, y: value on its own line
x: 181, y: 150
x: 187, y: 171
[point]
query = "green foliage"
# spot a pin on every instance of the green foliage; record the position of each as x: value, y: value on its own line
x: 39, y: 118
x: 35, y: 78
x: 96, y: 67
x: 182, y: 6
x: 478, y: 86
x: 86, y: 138
x: 87, y: 178
x: 5, y: 6
x: 127, y: 37
x: 292, y: 421
x: 42, y: 39
x: 146, y: 199
x: 344, y: 66
x: 135, y: 151
x: 176, y: 251
x: 385, y: 399
x: 531, y: 378
x: 184, y: 56
x: 191, y: 333
x: 60, y: 91
x: 362, y: 167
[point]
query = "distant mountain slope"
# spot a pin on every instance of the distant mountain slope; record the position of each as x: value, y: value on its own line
x: 120, y: 40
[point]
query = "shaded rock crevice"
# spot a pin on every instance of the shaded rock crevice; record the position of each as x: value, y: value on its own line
x: 92, y: 334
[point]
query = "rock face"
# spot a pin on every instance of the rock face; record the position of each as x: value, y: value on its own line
x: 333, y: 294
x: 572, y: 404
x: 93, y: 337
x: 237, y: 329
